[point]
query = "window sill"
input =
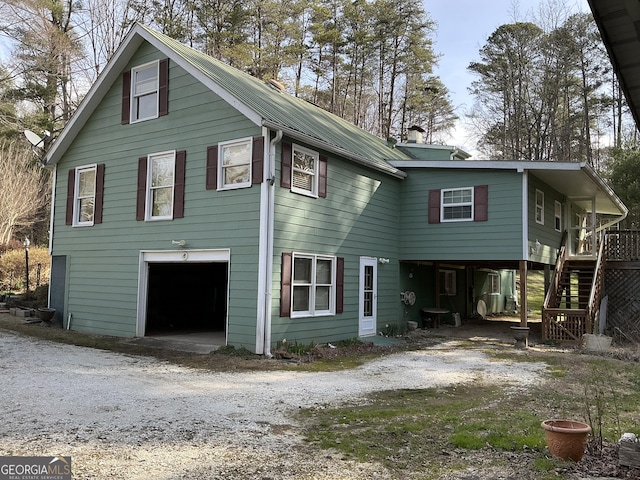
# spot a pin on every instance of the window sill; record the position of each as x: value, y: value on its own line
x: 309, y: 315
x: 304, y: 193
x: 239, y: 186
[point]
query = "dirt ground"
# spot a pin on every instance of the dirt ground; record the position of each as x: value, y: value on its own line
x: 132, y: 417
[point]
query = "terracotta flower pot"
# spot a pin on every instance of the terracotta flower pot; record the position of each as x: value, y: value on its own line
x: 566, y: 439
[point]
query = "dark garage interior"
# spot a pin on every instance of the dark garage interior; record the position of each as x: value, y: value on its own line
x: 186, y: 298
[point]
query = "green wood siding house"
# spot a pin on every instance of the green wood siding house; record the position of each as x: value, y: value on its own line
x: 191, y: 196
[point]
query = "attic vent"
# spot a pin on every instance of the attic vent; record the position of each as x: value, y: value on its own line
x: 275, y: 84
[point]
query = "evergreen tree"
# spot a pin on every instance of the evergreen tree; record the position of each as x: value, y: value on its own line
x: 623, y: 173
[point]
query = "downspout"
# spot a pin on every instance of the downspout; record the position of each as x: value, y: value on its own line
x: 454, y: 153
x: 525, y: 215
x: 612, y: 222
x: 269, y: 176
x: 522, y: 270
x: 53, y: 196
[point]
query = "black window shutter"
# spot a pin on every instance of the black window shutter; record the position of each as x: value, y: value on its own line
x: 340, y: 285
x: 285, y: 285
x: 322, y: 177
x: 257, y: 160
x: 481, y: 203
x: 126, y: 98
x: 434, y: 206
x: 71, y: 185
x: 97, y: 213
x: 163, y: 88
x: 212, y: 168
x: 141, y: 198
x: 285, y: 165
x: 178, y: 184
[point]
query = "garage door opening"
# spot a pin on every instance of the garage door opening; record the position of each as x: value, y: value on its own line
x: 186, y: 298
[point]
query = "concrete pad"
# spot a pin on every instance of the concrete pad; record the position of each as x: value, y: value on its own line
x: 205, y: 342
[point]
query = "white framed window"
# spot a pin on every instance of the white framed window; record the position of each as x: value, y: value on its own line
x: 539, y: 207
x: 160, y: 185
x: 304, y: 171
x: 234, y: 167
x: 448, y: 282
x: 456, y: 204
x: 558, y: 216
x: 144, y: 92
x: 85, y: 196
x: 494, y: 284
x: 314, y: 285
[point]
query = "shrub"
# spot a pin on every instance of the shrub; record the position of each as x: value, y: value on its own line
x: 12, y: 268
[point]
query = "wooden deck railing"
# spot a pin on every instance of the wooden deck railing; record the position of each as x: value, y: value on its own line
x: 622, y: 245
x: 568, y: 325
x: 552, y: 299
x: 596, y: 288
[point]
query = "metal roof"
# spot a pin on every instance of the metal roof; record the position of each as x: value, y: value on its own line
x: 262, y: 102
x: 619, y: 24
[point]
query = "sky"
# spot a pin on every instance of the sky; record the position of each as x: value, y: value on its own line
x: 463, y: 27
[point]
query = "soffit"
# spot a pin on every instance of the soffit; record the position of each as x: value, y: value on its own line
x: 619, y: 25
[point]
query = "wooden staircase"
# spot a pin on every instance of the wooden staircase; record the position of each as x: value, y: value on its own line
x: 575, y: 283
x: 573, y: 298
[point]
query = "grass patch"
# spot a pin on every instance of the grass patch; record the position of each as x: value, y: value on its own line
x: 427, y: 433
x: 535, y: 292
x: 345, y: 362
x: 395, y: 425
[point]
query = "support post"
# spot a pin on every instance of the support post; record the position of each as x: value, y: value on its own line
x: 437, y: 299
x: 523, y: 293
x: 26, y: 265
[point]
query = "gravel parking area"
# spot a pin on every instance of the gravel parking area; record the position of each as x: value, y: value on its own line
x: 126, y: 417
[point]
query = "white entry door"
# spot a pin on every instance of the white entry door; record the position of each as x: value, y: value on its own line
x: 368, y: 296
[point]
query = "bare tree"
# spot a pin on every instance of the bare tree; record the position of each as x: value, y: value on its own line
x: 46, y: 50
x: 104, y: 24
x: 23, y: 190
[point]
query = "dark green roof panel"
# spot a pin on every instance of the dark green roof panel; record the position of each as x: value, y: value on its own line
x: 279, y: 108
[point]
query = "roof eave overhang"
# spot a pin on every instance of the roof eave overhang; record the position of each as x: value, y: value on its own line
x: 96, y: 93
x: 607, y: 202
x: 623, y: 54
x: 136, y: 36
x: 606, y: 190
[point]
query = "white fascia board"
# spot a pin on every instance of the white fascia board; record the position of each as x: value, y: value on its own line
x: 486, y: 164
x: 94, y: 96
x: 110, y: 75
x: 602, y: 185
x: 203, y: 78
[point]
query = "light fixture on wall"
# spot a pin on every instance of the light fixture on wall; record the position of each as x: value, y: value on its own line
x: 383, y: 261
x: 180, y: 243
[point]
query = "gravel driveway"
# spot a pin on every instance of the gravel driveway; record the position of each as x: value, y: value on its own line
x: 126, y: 417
